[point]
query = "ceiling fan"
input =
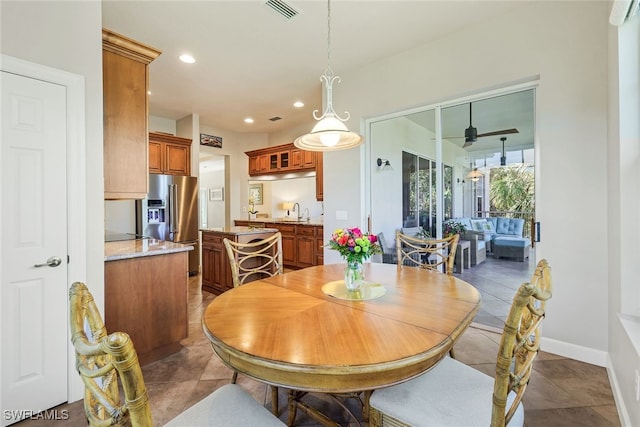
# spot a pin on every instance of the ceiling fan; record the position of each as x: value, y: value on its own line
x: 471, y: 134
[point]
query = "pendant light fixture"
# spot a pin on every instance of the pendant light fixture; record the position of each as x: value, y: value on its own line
x: 330, y: 133
x: 503, y: 158
x: 474, y: 175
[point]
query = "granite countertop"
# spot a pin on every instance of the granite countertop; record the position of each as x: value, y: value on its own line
x: 239, y: 230
x: 141, y: 247
x: 312, y: 221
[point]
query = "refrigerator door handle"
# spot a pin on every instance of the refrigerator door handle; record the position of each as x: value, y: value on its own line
x: 172, y: 210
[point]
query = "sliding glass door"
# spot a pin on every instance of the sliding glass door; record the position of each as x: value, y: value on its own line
x: 419, y: 192
x: 410, y: 184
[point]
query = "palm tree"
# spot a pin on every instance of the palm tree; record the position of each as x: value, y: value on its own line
x: 512, y: 189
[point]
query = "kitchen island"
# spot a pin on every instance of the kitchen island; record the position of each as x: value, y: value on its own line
x: 146, y: 283
x: 216, y: 271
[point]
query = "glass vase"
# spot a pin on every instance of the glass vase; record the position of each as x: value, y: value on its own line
x: 353, y: 275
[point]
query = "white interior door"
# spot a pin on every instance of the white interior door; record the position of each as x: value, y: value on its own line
x: 33, y: 216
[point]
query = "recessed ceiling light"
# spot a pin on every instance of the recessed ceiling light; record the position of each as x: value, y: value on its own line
x: 148, y: 92
x: 187, y: 58
x: 298, y: 104
x: 248, y: 120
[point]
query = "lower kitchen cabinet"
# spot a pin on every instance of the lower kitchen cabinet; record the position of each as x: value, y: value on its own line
x: 305, y: 246
x: 301, y: 243
x: 216, y: 272
x: 216, y: 268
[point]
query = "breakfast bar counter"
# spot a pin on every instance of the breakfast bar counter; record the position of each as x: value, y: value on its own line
x: 141, y: 247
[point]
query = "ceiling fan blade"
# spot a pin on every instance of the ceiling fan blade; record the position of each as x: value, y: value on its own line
x: 499, y: 132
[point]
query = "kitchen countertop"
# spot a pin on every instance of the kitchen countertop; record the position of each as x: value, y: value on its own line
x: 312, y: 221
x: 141, y: 247
x: 238, y: 230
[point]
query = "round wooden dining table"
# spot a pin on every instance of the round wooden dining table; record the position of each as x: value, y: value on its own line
x: 287, y: 332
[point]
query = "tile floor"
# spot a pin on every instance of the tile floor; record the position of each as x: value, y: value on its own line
x: 562, y: 392
x: 498, y: 280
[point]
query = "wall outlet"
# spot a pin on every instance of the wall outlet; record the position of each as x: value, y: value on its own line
x: 636, y: 384
x: 244, y: 209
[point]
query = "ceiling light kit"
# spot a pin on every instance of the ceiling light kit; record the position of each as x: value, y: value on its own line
x: 330, y: 133
x: 187, y: 59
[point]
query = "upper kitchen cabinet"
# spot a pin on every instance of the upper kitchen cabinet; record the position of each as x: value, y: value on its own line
x: 125, y: 82
x: 168, y: 154
x: 280, y: 159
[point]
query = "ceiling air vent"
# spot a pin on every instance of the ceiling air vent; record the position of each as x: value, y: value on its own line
x: 275, y: 119
x: 288, y: 11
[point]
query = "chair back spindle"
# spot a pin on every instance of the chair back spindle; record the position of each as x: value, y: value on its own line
x: 255, y: 260
x: 520, y: 344
x: 431, y: 254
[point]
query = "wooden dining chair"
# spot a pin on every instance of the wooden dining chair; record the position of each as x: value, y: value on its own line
x: 108, y: 363
x: 252, y: 261
x: 454, y: 394
x: 426, y: 253
x: 255, y: 260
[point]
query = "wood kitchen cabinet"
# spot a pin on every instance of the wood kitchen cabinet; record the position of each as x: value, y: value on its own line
x: 287, y: 158
x: 125, y: 82
x: 319, y: 177
x: 280, y: 159
x: 216, y: 272
x: 168, y: 154
x: 258, y: 164
x: 146, y: 297
x: 216, y: 269
x: 319, y: 247
x: 303, y: 159
x: 302, y: 244
x: 305, y: 246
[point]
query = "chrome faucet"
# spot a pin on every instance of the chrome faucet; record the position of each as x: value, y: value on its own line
x: 297, y: 210
x: 307, y: 211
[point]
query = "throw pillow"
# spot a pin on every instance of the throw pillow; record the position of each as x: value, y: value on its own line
x: 478, y: 224
x: 488, y: 226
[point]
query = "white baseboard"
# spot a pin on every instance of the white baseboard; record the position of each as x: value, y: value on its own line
x: 572, y: 351
x: 625, y: 420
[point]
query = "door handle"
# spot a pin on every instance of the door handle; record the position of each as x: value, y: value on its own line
x: 54, y: 261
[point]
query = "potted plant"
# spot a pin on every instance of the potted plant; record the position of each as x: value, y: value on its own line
x: 355, y: 247
x: 451, y: 227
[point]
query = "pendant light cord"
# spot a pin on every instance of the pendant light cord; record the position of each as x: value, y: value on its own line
x: 329, y: 38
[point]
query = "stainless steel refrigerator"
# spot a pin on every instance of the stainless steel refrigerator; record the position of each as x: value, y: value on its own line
x: 170, y: 212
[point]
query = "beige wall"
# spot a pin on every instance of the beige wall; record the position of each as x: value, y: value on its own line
x: 565, y: 44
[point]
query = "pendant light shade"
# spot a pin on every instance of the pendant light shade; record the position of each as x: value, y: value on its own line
x: 474, y: 175
x: 330, y: 133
